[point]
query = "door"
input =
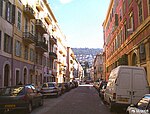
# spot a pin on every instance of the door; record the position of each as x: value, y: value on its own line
x: 140, y: 85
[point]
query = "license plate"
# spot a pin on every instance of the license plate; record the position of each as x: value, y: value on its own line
x: 10, y: 106
x: 123, y: 99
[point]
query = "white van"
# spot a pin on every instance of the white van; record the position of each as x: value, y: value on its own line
x: 126, y: 85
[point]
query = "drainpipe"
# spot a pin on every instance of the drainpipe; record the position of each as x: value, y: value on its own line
x: 13, y: 24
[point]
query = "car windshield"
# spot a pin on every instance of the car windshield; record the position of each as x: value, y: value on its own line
x: 142, y: 104
x: 11, y: 91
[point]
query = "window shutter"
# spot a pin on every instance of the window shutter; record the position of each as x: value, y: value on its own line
x: 13, y: 13
x: 1, y: 7
x: 6, y: 10
x: 116, y: 19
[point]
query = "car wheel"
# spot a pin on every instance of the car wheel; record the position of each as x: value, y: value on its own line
x: 99, y: 94
x: 111, y: 107
x: 41, y: 102
x: 57, y: 94
x: 1, y: 111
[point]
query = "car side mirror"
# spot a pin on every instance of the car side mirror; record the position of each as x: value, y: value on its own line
x: 148, y: 110
x: 132, y: 105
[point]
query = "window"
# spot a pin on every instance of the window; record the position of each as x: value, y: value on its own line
x: 142, y: 52
x: 130, y: 24
x: 17, y: 48
x: 26, y: 25
x: 9, y: 12
x: 26, y: 53
x: 17, y: 77
x: 32, y: 28
x: 116, y: 20
x: 124, y: 7
x: 125, y: 31
x: 129, y: 1
x: 31, y: 55
x: 19, y: 20
x: 40, y: 59
x: 0, y: 38
x: 44, y: 61
x: 140, y: 11
x: 1, y: 7
x: 149, y: 6
x: 120, y: 14
x: 51, y: 64
x: 7, y: 43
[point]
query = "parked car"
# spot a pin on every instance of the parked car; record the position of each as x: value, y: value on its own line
x: 101, y: 83
x: 76, y: 83
x: 97, y: 84
x: 142, y: 107
x: 21, y: 97
x: 62, y: 87
x: 126, y: 85
x: 102, y: 90
x: 67, y: 86
x: 50, y: 89
x: 72, y: 85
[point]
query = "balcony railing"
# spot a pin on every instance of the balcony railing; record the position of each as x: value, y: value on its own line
x: 41, y: 46
x: 39, y: 5
x: 28, y: 38
x: 28, y: 10
x: 53, y: 55
x: 40, y: 26
x: 53, y: 40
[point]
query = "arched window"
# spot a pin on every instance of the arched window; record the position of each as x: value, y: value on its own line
x: 6, y: 75
x: 25, y: 76
x: 134, y: 59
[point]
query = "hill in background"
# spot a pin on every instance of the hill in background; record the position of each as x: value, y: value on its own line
x: 86, y: 54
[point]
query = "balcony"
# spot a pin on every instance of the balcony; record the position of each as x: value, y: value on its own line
x: 41, y: 46
x: 28, y: 10
x: 53, y: 55
x: 48, y: 19
x: 53, y: 40
x: 54, y: 28
x: 28, y: 38
x: 39, y: 5
x: 40, y: 26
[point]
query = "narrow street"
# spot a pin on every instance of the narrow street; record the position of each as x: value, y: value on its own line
x: 81, y: 100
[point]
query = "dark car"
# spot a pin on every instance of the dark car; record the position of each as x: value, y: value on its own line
x: 50, y: 89
x: 102, y: 90
x: 21, y: 97
x: 142, y: 107
x: 67, y: 86
x: 62, y: 87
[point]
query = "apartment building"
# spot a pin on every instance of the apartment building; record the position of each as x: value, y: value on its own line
x: 6, y: 39
x: 62, y: 57
x: 98, y: 67
x: 33, y: 48
x: 71, y: 64
x: 28, y: 43
x: 126, y: 35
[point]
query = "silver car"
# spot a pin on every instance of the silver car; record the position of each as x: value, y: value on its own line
x: 142, y: 107
x: 50, y: 89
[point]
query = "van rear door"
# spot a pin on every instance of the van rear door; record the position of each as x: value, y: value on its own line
x: 140, y: 85
x: 123, y: 86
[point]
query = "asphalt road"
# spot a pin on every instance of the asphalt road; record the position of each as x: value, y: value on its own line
x: 81, y: 100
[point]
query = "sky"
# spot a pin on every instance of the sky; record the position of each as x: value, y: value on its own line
x: 81, y: 21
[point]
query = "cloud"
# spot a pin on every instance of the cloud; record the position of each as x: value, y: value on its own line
x: 65, y: 1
